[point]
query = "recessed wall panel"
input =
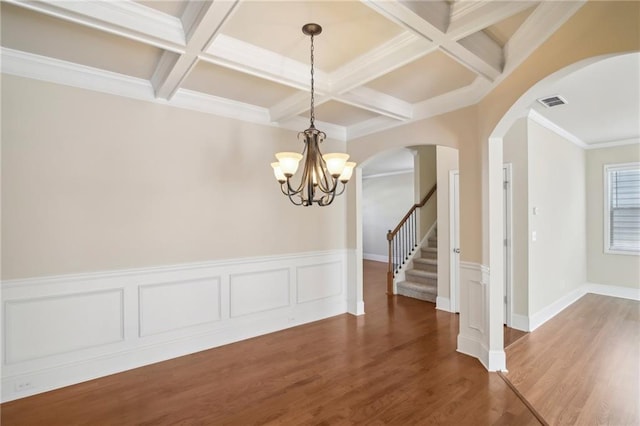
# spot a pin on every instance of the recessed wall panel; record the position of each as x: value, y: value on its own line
x: 259, y: 291
x: 171, y: 306
x: 476, y: 312
x: 319, y: 281
x: 40, y: 327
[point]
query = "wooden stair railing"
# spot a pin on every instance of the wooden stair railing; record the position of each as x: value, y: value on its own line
x: 403, y: 240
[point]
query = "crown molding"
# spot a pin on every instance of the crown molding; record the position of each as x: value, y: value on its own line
x: 550, y: 125
x: 298, y: 124
x: 381, y: 103
x: 453, y: 100
x: 124, y: 18
x: 224, y: 107
x: 615, y: 143
x: 372, y: 125
x: 43, y: 68
x: 387, y: 174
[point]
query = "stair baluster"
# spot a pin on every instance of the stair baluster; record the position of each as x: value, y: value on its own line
x: 403, y: 240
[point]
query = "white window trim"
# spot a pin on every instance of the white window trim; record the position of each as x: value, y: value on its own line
x: 606, y: 203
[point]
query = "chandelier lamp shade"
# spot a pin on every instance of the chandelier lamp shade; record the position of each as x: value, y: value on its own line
x: 323, y: 176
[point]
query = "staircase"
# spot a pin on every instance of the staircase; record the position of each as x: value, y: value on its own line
x: 421, y: 281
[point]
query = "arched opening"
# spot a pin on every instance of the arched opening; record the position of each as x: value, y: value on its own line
x: 543, y: 234
x: 419, y: 167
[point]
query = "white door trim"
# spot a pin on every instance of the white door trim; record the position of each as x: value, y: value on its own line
x: 454, y: 241
x: 508, y: 242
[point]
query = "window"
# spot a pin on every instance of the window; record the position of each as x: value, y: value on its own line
x: 622, y: 208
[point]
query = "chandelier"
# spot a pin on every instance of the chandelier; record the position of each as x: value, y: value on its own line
x: 321, y: 174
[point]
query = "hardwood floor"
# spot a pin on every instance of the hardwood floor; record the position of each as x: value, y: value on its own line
x: 582, y: 366
x: 395, y: 365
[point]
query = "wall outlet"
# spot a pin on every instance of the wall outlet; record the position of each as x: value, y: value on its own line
x: 22, y: 386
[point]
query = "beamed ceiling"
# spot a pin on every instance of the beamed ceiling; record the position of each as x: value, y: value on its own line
x: 379, y: 64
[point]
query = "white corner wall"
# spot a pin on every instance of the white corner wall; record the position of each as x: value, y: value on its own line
x: 385, y: 200
x: 607, y: 268
x: 557, y: 254
x: 515, y: 152
x: 447, y: 160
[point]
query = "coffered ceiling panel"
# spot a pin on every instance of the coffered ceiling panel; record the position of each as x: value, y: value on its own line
x: 227, y: 83
x: 61, y: 39
x: 378, y: 63
x: 350, y: 29
x: 429, y: 76
x: 502, y: 31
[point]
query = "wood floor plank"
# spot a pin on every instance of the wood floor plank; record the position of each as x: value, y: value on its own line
x: 582, y: 366
x: 396, y: 365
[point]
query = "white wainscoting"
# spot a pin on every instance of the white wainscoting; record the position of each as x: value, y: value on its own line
x: 57, y: 331
x: 474, y: 302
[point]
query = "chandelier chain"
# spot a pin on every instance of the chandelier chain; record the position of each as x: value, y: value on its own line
x: 313, y: 116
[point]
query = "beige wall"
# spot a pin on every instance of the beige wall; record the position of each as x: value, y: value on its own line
x: 515, y: 147
x: 607, y: 268
x: 385, y: 200
x: 447, y: 159
x: 557, y: 259
x: 425, y: 178
x: 95, y: 182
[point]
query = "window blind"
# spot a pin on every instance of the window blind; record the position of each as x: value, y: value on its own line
x: 624, y: 209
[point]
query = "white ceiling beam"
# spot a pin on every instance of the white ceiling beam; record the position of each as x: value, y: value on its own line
x: 250, y: 59
x: 470, y: 17
x: 486, y: 54
x: 408, y: 17
x: 394, y: 54
x: 127, y: 19
x: 290, y: 107
x: 537, y: 28
x: 173, y: 69
x: 372, y: 100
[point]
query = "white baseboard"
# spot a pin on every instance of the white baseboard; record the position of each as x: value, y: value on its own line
x: 613, y: 291
x: 496, y: 360
x: 550, y: 311
x: 142, y: 316
x: 443, y: 304
x: 520, y: 322
x: 491, y: 360
x: 375, y: 257
x: 534, y: 321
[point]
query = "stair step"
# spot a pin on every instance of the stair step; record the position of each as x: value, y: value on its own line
x: 432, y: 242
x: 423, y: 277
x: 429, y: 265
x: 416, y: 290
x: 429, y: 252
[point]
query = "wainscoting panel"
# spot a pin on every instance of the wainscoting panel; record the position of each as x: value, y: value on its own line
x: 476, y: 310
x: 473, y: 339
x: 175, y: 305
x: 44, y: 326
x: 259, y: 291
x: 58, y: 331
x: 319, y: 281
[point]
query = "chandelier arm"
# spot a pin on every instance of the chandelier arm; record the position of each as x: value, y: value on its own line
x: 344, y: 186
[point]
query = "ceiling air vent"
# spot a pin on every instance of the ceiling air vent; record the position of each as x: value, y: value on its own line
x: 552, y: 101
